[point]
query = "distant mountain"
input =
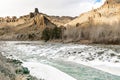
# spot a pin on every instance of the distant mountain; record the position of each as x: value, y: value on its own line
x: 60, y: 20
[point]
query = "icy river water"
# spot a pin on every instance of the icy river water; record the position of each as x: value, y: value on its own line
x: 64, y: 57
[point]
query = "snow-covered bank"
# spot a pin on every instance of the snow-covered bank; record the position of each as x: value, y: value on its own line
x: 46, y: 72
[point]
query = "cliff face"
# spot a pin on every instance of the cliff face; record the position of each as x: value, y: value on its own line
x: 109, y: 13
x: 43, y: 22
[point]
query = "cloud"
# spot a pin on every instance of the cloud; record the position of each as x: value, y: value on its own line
x: 52, y: 7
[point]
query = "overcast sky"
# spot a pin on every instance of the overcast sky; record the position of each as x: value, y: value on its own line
x: 51, y: 7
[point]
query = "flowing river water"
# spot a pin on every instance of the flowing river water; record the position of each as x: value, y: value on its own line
x: 58, y: 55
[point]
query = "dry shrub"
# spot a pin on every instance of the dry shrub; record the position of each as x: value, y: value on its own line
x: 101, y: 33
x: 71, y: 33
x: 105, y: 34
x: 76, y: 33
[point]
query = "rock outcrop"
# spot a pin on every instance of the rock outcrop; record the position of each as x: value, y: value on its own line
x: 42, y: 22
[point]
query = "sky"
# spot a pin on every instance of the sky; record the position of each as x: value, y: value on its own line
x: 50, y: 7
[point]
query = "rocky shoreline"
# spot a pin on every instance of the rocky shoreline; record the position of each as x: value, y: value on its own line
x: 11, y: 69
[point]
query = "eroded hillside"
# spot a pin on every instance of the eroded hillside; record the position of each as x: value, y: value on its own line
x: 31, y: 26
x: 100, y: 25
x: 28, y: 27
x: 109, y: 13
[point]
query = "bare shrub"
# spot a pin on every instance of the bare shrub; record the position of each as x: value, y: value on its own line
x: 105, y: 34
x: 101, y: 33
x: 71, y: 33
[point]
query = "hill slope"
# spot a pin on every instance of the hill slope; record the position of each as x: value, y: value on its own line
x: 108, y: 13
x: 27, y: 27
x: 99, y: 25
x: 31, y: 26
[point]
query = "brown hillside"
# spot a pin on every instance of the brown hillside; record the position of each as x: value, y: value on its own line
x: 59, y: 21
x: 109, y: 13
x: 99, y: 25
x: 28, y: 27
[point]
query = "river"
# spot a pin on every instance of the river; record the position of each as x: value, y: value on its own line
x: 65, y: 57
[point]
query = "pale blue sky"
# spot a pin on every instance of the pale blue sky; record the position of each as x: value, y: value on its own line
x: 51, y: 7
x: 98, y: 0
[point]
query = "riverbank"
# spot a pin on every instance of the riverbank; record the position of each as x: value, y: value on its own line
x: 11, y: 69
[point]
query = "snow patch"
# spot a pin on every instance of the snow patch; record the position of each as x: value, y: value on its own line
x: 42, y: 71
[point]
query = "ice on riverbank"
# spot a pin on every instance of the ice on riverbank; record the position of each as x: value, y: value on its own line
x: 46, y: 72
